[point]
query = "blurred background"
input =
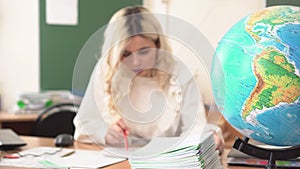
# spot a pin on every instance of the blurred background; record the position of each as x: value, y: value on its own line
x: 40, y: 40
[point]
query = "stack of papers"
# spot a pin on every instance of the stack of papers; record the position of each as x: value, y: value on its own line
x: 238, y: 158
x: 190, y: 153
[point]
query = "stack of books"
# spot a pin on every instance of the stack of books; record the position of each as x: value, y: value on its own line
x: 191, y: 153
x: 238, y: 158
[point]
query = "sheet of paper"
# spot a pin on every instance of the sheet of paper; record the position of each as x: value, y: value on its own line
x: 62, y: 12
x: 29, y: 159
x: 85, y: 159
x: 164, y: 144
x: 53, y: 157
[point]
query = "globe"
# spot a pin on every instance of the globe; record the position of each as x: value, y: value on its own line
x: 255, y: 76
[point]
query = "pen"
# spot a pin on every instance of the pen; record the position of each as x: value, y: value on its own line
x: 68, y: 154
x: 125, y: 140
x: 11, y: 156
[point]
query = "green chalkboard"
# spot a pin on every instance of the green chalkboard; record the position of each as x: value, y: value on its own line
x: 60, y: 44
x: 283, y: 2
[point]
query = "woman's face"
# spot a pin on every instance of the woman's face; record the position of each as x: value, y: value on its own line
x: 140, y: 55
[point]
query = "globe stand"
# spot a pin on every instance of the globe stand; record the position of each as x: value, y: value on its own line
x: 267, y: 154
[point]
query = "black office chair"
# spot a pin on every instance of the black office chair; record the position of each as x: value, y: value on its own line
x: 55, y: 120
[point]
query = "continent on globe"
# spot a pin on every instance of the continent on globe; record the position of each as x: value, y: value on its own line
x: 277, y: 82
x: 270, y: 17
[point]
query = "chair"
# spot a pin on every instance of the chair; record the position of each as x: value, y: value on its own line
x: 55, y: 120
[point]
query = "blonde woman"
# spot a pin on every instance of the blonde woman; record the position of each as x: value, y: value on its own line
x: 138, y: 89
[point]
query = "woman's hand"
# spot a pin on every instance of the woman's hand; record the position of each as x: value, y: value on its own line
x: 116, y: 132
x: 219, y: 142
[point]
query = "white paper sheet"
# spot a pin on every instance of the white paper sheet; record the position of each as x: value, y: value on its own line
x: 62, y: 12
x: 86, y: 159
x: 78, y: 159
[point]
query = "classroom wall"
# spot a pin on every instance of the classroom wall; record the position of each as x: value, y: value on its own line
x: 61, y: 44
x: 35, y: 56
x: 19, y: 38
x: 212, y: 18
x: 19, y: 49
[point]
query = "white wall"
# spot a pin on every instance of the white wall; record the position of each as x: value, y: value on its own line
x: 214, y: 17
x: 19, y: 36
x: 211, y: 17
x: 19, y: 49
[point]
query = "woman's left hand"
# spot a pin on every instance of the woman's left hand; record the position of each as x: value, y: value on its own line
x: 219, y: 142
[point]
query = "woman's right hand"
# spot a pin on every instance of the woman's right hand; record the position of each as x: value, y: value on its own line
x: 115, y: 134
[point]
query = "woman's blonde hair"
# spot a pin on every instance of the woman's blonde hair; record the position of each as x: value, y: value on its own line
x: 124, y: 24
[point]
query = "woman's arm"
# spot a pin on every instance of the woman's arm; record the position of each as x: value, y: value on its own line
x: 89, y: 124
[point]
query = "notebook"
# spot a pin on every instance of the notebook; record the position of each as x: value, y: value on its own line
x: 192, y: 153
x: 10, y: 140
x: 238, y: 158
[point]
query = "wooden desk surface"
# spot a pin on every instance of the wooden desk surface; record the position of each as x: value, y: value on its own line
x: 38, y: 141
x: 20, y: 123
x: 10, y: 117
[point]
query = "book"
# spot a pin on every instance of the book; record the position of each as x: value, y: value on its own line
x: 238, y: 158
x: 191, y: 152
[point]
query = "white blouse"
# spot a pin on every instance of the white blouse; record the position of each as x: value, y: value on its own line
x: 146, y: 110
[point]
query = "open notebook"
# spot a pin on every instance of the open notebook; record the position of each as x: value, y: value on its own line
x: 10, y: 140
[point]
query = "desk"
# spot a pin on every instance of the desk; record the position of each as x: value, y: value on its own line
x: 38, y: 141
x: 20, y: 123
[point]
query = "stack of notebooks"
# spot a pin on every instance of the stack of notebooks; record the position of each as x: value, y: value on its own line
x: 191, y: 153
x: 238, y: 158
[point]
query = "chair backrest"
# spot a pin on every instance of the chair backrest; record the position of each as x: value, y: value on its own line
x: 55, y: 120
